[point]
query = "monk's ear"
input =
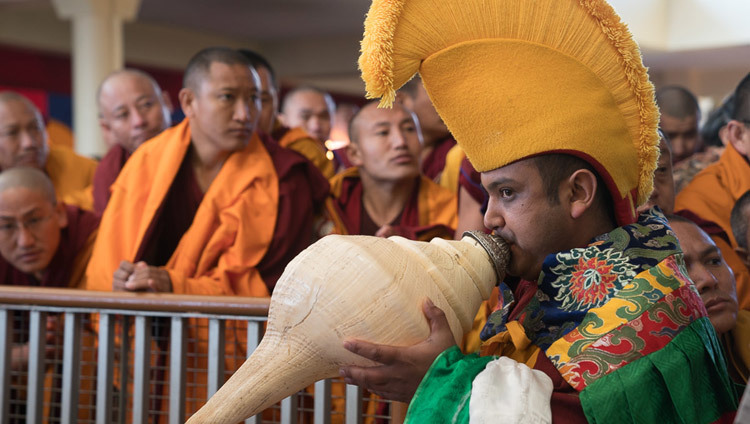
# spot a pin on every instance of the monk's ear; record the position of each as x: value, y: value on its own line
x: 354, y: 154
x: 735, y: 133
x: 186, y: 97
x: 579, y: 191
x: 60, y: 215
x: 744, y: 255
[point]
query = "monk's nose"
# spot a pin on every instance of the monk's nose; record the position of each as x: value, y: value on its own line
x: 704, y: 279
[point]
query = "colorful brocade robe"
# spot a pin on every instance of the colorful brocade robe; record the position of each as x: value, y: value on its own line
x: 619, y: 328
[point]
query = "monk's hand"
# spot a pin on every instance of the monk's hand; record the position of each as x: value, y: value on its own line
x: 122, y: 275
x: 386, y: 231
x: 149, y: 278
x: 402, y: 368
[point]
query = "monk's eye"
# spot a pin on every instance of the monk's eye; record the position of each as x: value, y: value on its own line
x: 506, y: 193
x: 13, y: 132
x: 226, y: 97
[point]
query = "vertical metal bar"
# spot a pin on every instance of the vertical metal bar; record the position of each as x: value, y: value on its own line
x: 105, y: 362
x: 177, y: 371
x: 35, y: 385
x: 322, y: 414
x: 6, y: 342
x: 122, y: 399
x: 71, y: 367
x: 141, y: 368
x: 289, y: 409
x: 353, y: 404
x: 254, y: 334
x: 216, y: 353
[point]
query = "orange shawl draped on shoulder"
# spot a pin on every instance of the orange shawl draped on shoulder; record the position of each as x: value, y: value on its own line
x: 72, y: 175
x: 229, y: 235
x: 298, y: 140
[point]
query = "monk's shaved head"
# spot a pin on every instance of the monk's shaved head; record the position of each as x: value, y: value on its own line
x: 12, y: 96
x: 200, y: 64
x: 30, y: 179
x: 134, y: 73
x: 677, y: 101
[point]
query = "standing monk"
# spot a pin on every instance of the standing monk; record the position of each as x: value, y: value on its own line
x: 598, y: 320
x: 384, y: 194
x: 132, y: 109
x: 208, y: 207
x: 296, y: 138
x: 23, y: 142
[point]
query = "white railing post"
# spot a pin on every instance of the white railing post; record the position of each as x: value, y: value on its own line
x: 142, y: 368
x: 353, y: 404
x: 71, y: 368
x: 216, y: 352
x: 35, y: 383
x: 177, y: 371
x: 254, y: 334
x: 104, y: 368
x: 6, y: 344
x: 322, y: 402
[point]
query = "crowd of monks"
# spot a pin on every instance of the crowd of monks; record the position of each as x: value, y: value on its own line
x: 219, y: 203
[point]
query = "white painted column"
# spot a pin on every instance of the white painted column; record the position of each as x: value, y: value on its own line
x: 97, y: 51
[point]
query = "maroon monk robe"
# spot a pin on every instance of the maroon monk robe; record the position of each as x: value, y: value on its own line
x: 74, y: 240
x: 106, y: 174
x: 302, y: 193
x: 351, y: 211
x: 433, y: 164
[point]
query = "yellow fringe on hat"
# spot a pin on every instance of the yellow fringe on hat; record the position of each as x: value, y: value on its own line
x: 378, y: 43
x: 637, y: 75
x: 401, y: 34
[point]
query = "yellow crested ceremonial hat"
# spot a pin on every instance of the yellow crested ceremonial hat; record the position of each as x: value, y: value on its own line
x: 519, y: 78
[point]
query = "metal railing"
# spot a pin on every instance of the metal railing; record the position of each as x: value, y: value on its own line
x: 74, y: 356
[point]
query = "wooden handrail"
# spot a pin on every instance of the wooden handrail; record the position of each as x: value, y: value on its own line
x: 154, y: 302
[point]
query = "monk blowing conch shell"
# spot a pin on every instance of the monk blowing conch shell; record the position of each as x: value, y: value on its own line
x: 356, y: 287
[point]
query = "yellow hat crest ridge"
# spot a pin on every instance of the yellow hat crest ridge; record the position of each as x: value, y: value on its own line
x: 517, y: 78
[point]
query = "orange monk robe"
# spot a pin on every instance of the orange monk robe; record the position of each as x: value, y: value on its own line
x: 430, y: 212
x: 711, y: 195
x: 72, y: 175
x: 300, y: 141
x: 452, y: 170
x: 228, y: 239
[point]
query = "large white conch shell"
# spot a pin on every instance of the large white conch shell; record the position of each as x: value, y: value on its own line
x: 345, y: 287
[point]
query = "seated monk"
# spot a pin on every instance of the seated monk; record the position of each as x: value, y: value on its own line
x: 208, y: 207
x: 437, y: 140
x: 311, y: 109
x: 43, y: 243
x: 384, y: 193
x: 713, y: 192
x: 23, y: 142
x: 715, y: 282
x: 295, y: 138
x: 132, y: 109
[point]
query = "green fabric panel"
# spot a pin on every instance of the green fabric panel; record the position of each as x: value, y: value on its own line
x: 443, y: 395
x: 684, y: 382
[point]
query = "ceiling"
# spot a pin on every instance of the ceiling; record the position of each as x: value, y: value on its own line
x: 261, y: 20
